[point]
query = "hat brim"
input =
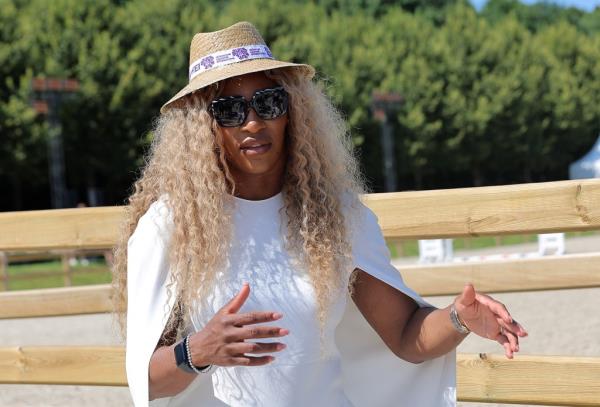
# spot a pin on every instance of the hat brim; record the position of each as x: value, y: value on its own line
x: 229, y: 71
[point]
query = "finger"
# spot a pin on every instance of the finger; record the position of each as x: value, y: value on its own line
x: 514, y: 327
x: 236, y: 302
x: 256, y: 332
x: 513, y: 339
x: 467, y: 297
x: 241, y: 348
x: 251, y: 360
x: 257, y: 317
x: 518, y: 329
x: 503, y: 340
x: 495, y: 306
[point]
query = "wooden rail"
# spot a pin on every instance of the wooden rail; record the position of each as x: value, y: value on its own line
x: 551, y: 273
x: 55, y: 301
x: 80, y: 365
x: 466, y: 212
x: 548, y: 380
x: 500, y: 210
x: 78, y: 228
x: 544, y: 273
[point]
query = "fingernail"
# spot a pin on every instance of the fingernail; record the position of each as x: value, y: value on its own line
x: 284, y: 331
x: 272, y: 358
x: 281, y: 346
x: 277, y: 315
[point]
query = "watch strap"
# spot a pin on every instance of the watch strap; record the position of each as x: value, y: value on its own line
x: 181, y: 358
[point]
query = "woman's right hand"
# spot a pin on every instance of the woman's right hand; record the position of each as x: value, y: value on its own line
x: 222, y: 341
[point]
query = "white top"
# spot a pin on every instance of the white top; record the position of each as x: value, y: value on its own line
x: 301, y: 374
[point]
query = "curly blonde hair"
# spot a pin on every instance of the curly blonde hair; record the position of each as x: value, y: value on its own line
x: 186, y: 163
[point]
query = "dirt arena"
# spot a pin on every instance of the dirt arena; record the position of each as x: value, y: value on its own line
x: 565, y: 322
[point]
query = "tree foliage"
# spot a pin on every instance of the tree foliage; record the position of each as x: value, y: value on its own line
x: 507, y: 95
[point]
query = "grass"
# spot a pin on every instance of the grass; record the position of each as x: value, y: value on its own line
x: 410, y: 248
x: 95, y: 273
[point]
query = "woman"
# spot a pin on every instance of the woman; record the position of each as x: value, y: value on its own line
x: 244, y: 234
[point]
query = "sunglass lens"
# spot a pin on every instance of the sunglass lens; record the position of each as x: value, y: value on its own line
x: 229, y: 112
x: 271, y: 103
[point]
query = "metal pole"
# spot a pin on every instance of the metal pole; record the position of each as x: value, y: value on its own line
x: 389, y: 156
x: 50, y: 93
x: 384, y: 105
x: 56, y: 161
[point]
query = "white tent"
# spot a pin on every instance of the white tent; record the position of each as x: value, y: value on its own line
x: 587, y: 166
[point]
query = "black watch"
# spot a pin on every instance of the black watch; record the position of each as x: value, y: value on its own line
x: 184, y: 361
x: 181, y: 358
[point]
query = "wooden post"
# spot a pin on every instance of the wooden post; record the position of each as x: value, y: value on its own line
x: 4, y: 270
x: 399, y: 247
x: 66, y: 266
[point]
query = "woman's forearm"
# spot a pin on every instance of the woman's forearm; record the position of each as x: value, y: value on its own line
x: 165, y: 379
x: 428, y: 334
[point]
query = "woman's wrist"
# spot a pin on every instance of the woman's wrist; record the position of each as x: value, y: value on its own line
x: 184, y: 358
x: 458, y: 324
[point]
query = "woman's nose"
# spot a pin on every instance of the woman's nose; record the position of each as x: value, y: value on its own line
x: 253, y: 123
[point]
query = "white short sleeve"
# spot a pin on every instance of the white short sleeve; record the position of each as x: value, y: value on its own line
x: 371, y: 254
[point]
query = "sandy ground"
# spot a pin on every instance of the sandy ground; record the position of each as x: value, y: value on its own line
x: 565, y: 322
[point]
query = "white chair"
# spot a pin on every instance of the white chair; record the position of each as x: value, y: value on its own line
x: 551, y: 243
x: 435, y: 250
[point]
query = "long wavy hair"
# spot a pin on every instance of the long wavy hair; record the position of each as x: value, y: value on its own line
x: 187, y: 164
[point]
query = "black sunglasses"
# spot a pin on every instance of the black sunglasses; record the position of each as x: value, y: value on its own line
x: 232, y: 111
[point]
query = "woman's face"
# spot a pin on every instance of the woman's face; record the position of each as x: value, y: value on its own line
x: 257, y: 147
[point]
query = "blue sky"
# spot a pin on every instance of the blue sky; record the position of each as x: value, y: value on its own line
x: 587, y: 5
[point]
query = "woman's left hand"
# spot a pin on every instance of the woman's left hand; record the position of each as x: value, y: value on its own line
x: 489, y: 319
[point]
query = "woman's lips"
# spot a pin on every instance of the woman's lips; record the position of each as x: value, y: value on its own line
x: 256, y: 150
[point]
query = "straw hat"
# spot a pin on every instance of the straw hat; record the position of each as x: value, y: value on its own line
x: 233, y: 51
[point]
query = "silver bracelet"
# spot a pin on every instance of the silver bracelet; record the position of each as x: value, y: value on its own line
x: 206, y: 369
x: 456, y: 322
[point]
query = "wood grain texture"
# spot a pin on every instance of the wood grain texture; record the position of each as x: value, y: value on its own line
x: 544, y: 273
x: 77, y: 228
x: 545, y: 380
x: 512, y: 209
x: 548, y: 380
x: 498, y: 210
x: 4, y: 271
x: 89, y: 365
x: 55, y: 301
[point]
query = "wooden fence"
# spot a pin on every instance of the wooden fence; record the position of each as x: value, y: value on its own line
x: 469, y: 212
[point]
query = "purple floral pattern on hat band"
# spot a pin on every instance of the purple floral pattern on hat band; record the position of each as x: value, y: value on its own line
x: 240, y: 53
x: 207, y: 62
